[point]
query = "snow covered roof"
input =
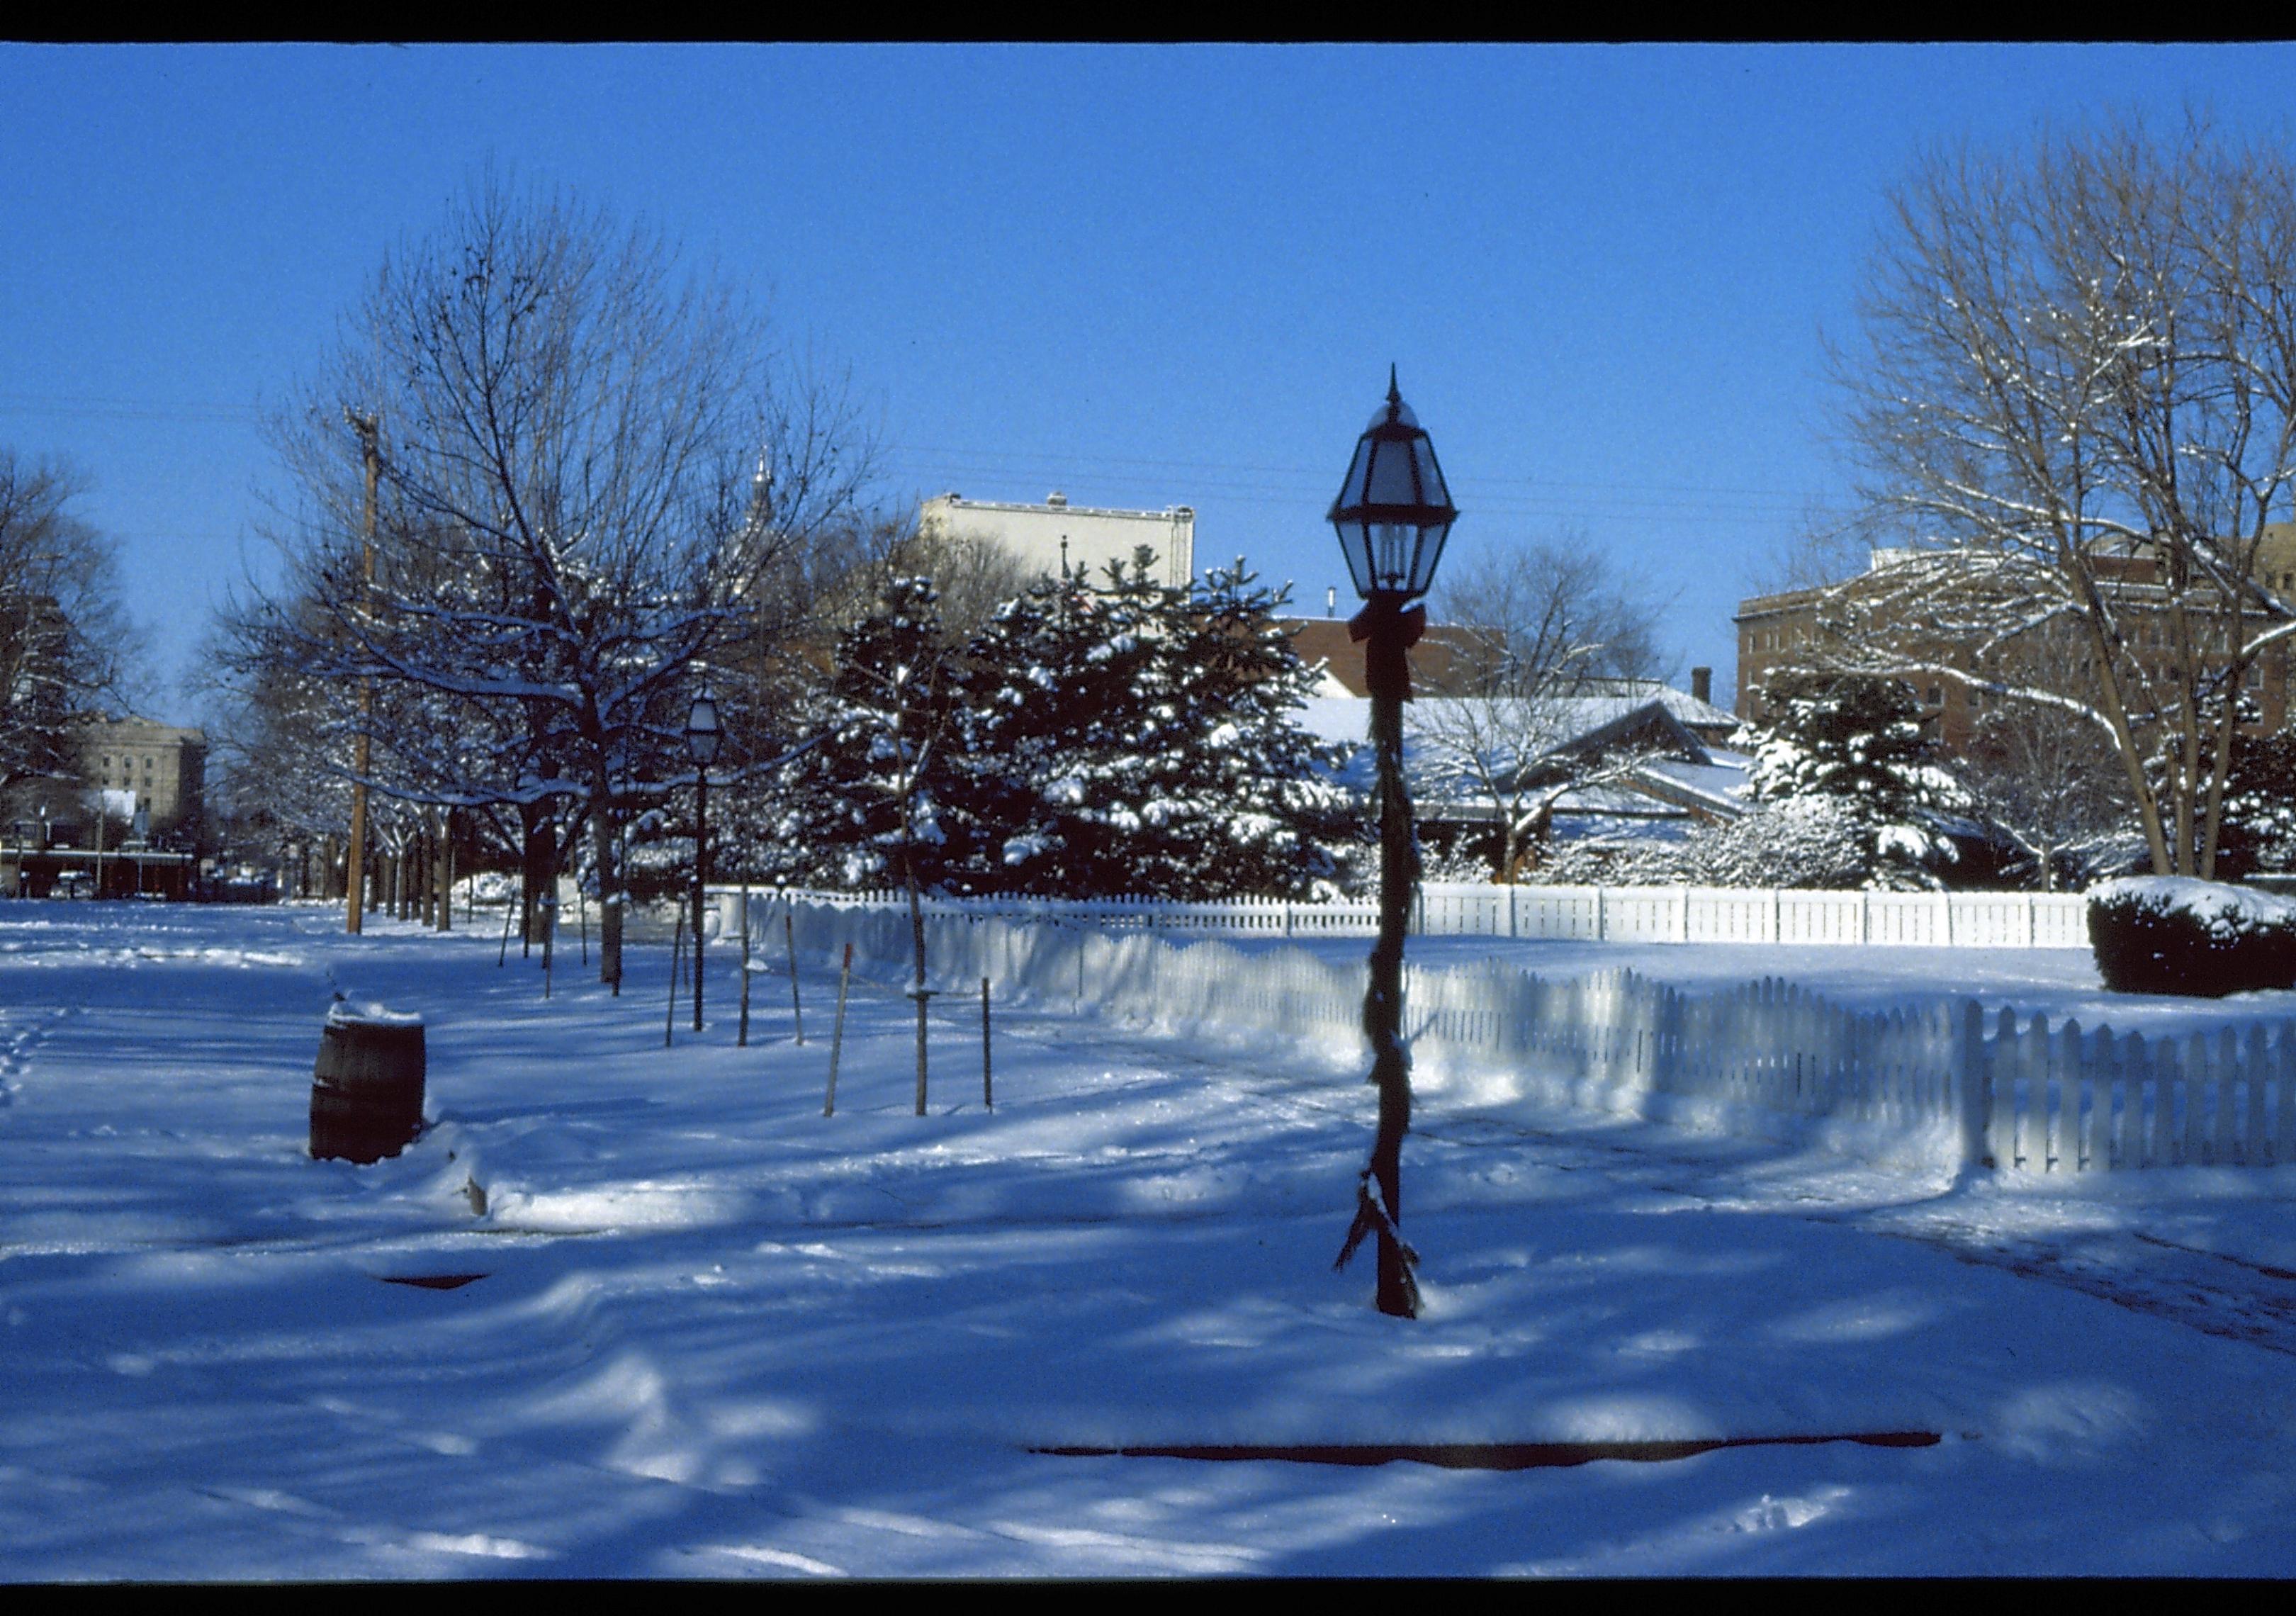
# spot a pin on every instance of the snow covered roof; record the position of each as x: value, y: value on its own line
x: 1337, y: 718
x: 1721, y: 786
x: 1619, y: 697
x: 1709, y: 783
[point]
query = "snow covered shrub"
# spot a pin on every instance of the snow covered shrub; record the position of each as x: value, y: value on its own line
x: 1820, y: 842
x: 2170, y: 934
x: 1817, y: 842
x: 1458, y: 861
x: 1593, y: 862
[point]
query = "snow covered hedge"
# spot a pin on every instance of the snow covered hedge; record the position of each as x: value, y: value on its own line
x: 1815, y: 842
x: 2170, y: 934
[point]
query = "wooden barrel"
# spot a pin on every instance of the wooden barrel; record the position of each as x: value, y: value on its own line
x: 366, y: 1090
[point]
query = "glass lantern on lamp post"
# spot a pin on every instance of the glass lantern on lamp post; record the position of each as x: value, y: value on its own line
x: 703, y: 734
x: 1393, y: 515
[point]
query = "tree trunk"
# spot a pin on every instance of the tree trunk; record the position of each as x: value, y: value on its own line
x: 917, y: 954
x: 534, y: 860
x: 610, y: 889
x: 445, y: 870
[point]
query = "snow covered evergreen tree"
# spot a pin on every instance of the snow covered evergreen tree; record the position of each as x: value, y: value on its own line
x: 1142, y: 738
x: 1859, y: 741
x: 863, y: 806
x: 1058, y: 692
x: 1250, y: 806
x: 2259, y: 808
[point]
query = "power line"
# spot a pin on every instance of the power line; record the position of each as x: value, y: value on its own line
x: 1613, y: 500
x: 1245, y: 482
x: 1317, y: 474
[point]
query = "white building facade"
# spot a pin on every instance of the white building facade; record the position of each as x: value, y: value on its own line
x: 1044, y: 536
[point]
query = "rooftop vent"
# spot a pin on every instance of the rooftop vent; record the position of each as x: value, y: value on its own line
x: 1056, y: 498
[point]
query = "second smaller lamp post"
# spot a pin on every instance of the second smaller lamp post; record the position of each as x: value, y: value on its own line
x: 703, y: 733
x: 1392, y: 515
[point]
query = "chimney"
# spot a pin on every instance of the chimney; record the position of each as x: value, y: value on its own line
x: 1332, y: 601
x: 1702, y: 684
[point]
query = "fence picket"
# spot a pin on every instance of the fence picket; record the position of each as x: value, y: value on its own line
x: 2284, y: 1079
x: 2160, y: 1057
x: 2191, y: 1061
x: 2255, y: 1063
x: 2101, y: 1070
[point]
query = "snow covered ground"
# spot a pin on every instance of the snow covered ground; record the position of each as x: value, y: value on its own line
x: 718, y: 1334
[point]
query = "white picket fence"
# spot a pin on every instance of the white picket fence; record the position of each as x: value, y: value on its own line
x: 1637, y: 914
x: 2031, y: 1098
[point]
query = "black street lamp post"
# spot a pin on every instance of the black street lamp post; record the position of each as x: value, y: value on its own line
x: 1393, y: 514
x: 703, y: 734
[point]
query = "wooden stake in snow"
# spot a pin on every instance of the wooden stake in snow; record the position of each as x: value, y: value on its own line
x: 921, y: 994
x: 676, y: 961
x: 502, y: 954
x: 988, y: 1093
x: 837, y: 1033
x: 797, y: 1011
x: 549, y: 936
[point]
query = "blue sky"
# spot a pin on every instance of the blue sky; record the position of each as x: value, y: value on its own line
x: 1145, y: 275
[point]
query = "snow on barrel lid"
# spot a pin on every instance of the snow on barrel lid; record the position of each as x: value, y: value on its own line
x: 344, y: 1013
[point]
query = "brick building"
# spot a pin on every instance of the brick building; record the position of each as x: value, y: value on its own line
x: 1782, y: 630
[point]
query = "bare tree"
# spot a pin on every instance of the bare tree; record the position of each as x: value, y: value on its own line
x: 597, y: 484
x: 2077, y: 393
x: 2051, y: 787
x: 1552, y: 639
x: 973, y: 575
x: 63, y: 638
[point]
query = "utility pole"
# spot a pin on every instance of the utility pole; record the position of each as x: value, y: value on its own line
x: 355, y: 881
